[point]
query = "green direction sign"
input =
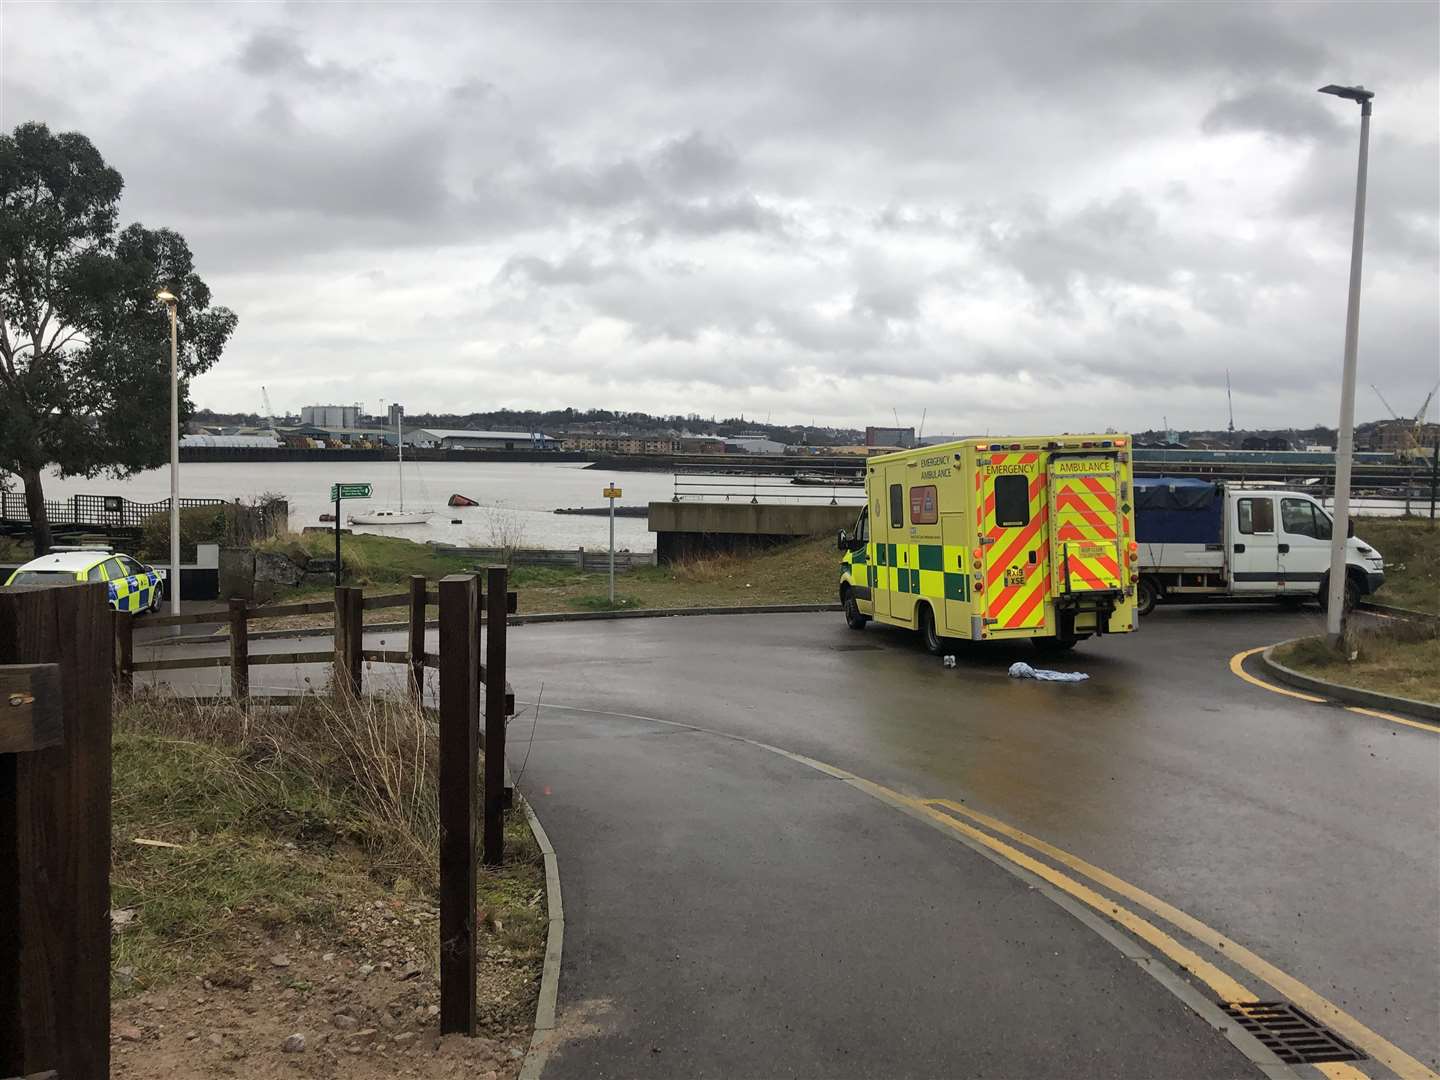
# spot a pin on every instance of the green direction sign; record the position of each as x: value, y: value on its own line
x: 349, y: 491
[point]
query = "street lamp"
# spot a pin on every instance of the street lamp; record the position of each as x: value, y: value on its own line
x: 166, y: 297
x: 1345, y: 438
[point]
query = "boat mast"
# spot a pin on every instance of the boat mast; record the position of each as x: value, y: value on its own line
x: 400, y: 464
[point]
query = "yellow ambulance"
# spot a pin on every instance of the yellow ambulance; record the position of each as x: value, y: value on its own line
x: 997, y: 539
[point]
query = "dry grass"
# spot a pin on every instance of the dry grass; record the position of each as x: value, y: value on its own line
x: 1411, y: 547
x: 1399, y: 658
x: 283, y: 816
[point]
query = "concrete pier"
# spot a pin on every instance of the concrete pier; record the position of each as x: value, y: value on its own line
x: 687, y: 529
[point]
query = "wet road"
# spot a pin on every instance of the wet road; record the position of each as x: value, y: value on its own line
x: 1305, y: 833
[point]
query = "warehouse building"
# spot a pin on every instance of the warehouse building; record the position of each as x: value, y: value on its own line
x: 468, y: 439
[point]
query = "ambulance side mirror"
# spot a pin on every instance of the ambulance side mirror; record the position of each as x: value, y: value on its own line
x: 842, y: 541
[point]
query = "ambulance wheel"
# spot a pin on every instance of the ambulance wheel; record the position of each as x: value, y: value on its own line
x: 934, y: 643
x: 1147, y: 595
x: 854, y: 618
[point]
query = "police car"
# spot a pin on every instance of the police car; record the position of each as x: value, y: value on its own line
x: 132, y: 586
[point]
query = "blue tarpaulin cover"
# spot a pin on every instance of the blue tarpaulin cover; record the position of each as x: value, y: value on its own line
x: 1177, y: 510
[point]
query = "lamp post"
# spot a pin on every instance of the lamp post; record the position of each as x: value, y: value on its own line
x: 166, y: 297
x: 1345, y: 438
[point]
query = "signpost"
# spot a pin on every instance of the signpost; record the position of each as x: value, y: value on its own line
x: 612, y: 493
x: 338, y: 492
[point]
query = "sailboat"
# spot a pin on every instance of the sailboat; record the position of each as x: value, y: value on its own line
x: 394, y: 515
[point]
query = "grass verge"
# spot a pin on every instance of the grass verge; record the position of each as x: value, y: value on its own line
x: 802, y: 572
x: 1411, y: 547
x: 287, y: 822
x: 1401, y: 659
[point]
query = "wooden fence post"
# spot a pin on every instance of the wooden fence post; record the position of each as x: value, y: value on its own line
x: 496, y: 587
x: 124, y: 652
x: 349, y: 637
x: 239, y: 650
x: 459, y: 753
x: 55, y: 843
x: 417, y: 637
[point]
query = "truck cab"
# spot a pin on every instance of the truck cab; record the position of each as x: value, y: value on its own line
x: 1199, y: 539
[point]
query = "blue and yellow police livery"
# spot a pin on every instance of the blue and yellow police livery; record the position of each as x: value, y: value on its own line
x: 132, y: 586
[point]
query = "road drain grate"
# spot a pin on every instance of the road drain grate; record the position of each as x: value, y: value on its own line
x: 854, y: 648
x: 1295, y: 1036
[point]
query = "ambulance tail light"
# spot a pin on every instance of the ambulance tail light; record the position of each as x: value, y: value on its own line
x: 1134, y: 552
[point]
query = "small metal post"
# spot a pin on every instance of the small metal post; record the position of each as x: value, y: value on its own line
x: 337, y: 536
x: 612, y: 544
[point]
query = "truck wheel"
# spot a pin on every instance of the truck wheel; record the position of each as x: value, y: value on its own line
x: 1352, y: 593
x: 1147, y: 595
x: 854, y: 618
x: 934, y: 643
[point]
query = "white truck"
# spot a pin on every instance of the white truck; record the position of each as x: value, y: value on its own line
x: 1201, y: 540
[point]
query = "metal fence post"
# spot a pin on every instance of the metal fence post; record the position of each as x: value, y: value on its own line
x: 496, y: 600
x: 417, y: 637
x: 459, y: 752
x: 239, y: 650
x: 55, y: 843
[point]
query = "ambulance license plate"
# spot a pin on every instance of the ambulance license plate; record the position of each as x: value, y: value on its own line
x: 1015, y: 575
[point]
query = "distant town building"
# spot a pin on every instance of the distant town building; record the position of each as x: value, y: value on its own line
x: 468, y: 439
x: 890, y: 436
x: 621, y: 444
x: 1398, y: 435
x: 1261, y: 442
x: 753, y: 444
x: 331, y: 416
x: 394, y: 415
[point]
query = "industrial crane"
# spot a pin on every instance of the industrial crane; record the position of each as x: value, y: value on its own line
x: 269, y: 412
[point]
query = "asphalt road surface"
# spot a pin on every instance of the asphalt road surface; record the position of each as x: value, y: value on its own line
x: 790, y: 849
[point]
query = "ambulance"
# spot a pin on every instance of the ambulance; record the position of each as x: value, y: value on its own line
x: 997, y: 540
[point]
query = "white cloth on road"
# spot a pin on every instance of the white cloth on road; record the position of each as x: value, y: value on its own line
x: 1022, y: 670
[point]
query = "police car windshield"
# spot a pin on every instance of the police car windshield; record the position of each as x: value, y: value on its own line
x: 42, y: 577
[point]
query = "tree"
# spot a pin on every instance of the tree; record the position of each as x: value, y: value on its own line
x: 84, y: 345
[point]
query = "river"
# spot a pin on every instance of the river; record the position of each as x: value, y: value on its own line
x: 512, y: 495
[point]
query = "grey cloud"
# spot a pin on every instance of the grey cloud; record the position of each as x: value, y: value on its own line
x: 710, y: 217
x: 576, y: 268
x: 694, y: 161
x: 273, y: 52
x: 1274, y: 110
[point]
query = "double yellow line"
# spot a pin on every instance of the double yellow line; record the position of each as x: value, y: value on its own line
x: 1237, y: 667
x: 1225, y: 987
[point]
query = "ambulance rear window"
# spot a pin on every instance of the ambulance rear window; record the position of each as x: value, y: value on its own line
x: 1012, y: 501
x: 923, y: 508
x: 897, y: 506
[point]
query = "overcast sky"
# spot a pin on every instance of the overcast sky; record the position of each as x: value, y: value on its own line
x: 1016, y: 216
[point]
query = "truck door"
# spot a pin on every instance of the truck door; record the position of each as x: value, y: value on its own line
x: 1303, y: 548
x: 1084, y: 504
x: 1013, y: 517
x: 1254, y: 554
x: 957, y: 532
x: 902, y: 550
x: 881, y: 550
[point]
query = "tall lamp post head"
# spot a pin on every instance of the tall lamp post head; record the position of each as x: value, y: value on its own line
x: 1357, y: 94
x: 166, y: 297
